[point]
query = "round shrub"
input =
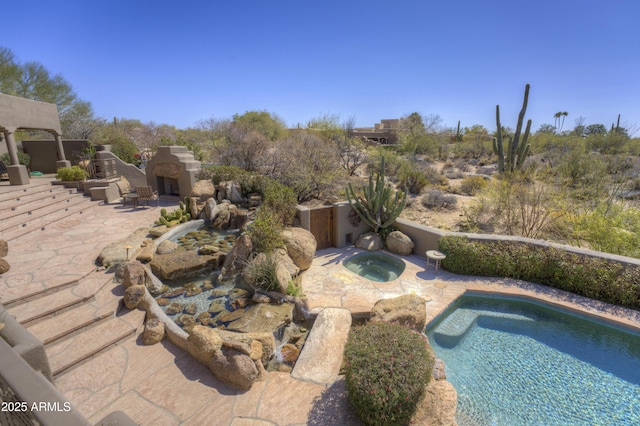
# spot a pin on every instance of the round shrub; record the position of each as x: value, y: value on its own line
x: 387, y: 370
x: 436, y: 199
x: 69, y: 174
x: 473, y: 184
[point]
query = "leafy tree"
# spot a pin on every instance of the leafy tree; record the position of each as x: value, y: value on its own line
x: 79, y: 122
x: 547, y: 128
x: 267, y: 124
x: 595, y: 129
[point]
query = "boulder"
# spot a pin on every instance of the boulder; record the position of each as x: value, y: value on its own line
x: 166, y: 247
x: 148, y: 249
x: 117, y: 253
x: 237, y: 258
x: 203, y: 190
x: 399, y: 243
x: 231, y: 191
x: 287, y: 262
x: 227, y: 214
x: 210, y: 211
x: 301, y: 246
x: 153, y: 331
x: 4, y: 248
x: 134, y: 295
x: 409, y: 310
x: 134, y: 274
x: 158, y: 231
x: 4, y: 266
x: 234, y: 368
x: 266, y: 341
x: 289, y: 353
x: 184, y: 264
x: 439, y: 405
x: 202, y: 343
x: 262, y: 318
x: 369, y: 241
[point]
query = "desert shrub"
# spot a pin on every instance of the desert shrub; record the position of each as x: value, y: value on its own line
x: 593, y: 277
x: 73, y: 173
x: 411, y: 179
x: 387, y: 369
x: 473, y: 184
x: 265, y: 232
x: 264, y: 272
x: 436, y: 199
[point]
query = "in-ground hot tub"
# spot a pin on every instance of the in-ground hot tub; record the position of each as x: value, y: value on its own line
x: 375, y: 266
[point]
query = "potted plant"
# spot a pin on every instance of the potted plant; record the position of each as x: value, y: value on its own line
x: 71, y: 177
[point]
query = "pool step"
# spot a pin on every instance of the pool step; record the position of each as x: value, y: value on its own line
x: 453, y: 328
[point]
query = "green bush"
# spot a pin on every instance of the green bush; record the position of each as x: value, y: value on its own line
x: 387, y: 369
x: 69, y: 174
x: 592, y: 277
x: 23, y: 158
x: 280, y: 200
x: 473, y: 184
x: 265, y: 232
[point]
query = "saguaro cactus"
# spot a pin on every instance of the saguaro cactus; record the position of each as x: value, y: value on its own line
x: 517, y: 150
x: 377, y: 207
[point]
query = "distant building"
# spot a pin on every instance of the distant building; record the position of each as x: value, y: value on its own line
x: 384, y: 133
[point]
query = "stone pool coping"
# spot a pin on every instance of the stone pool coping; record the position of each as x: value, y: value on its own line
x: 329, y: 284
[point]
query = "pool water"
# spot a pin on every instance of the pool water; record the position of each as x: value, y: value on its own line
x: 519, y: 363
x: 375, y: 266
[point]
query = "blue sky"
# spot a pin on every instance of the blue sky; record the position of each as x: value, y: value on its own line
x: 180, y: 62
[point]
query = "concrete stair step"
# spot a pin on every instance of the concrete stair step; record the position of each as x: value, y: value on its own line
x: 81, y: 206
x: 70, y: 352
x: 12, y: 193
x: 45, y: 306
x: 59, y: 325
x: 21, y: 200
x: 36, y: 207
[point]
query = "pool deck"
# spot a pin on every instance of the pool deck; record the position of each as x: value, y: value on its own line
x: 163, y: 385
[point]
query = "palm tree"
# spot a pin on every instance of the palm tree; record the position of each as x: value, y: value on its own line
x: 558, y: 115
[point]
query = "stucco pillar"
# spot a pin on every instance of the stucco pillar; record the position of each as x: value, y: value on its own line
x: 62, y: 161
x: 18, y: 174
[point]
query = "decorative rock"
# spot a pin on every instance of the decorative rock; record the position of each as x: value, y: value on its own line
x: 158, y: 231
x: 208, y: 249
x: 184, y: 264
x: 260, y: 298
x: 187, y: 322
x: 289, y: 353
x: 153, y: 331
x: 438, y: 406
x: 167, y: 247
x: 174, y: 293
x: 210, y: 210
x: 191, y: 309
x: 174, y: 308
x: 438, y: 372
x: 287, y: 262
x: 226, y: 316
x: 369, y: 241
x: 134, y: 274
x: 409, y: 310
x: 234, y: 368
x: 116, y: 252
x: 148, y: 250
x: 203, y: 190
x: 301, y: 246
x: 256, y: 350
x: 202, y: 343
x: 163, y: 301
x: 237, y: 258
x: 399, y: 243
x: 266, y: 340
x: 321, y: 358
x: 240, y: 303
x: 4, y: 248
x: 231, y: 191
x: 217, y: 306
x: 134, y: 295
x: 262, y: 318
x: 193, y: 292
x: 4, y: 266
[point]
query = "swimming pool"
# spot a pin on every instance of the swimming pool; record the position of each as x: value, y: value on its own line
x: 515, y: 362
x: 375, y: 266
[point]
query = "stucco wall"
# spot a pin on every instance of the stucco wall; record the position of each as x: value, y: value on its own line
x: 23, y: 113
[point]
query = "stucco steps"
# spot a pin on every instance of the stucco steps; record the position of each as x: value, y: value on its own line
x: 37, y: 207
x: 12, y: 193
x: 62, y: 324
x: 57, y: 212
x: 47, y: 305
x: 16, y: 200
x: 72, y: 351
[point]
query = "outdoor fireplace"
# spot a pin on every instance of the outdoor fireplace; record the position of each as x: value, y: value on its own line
x: 172, y: 171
